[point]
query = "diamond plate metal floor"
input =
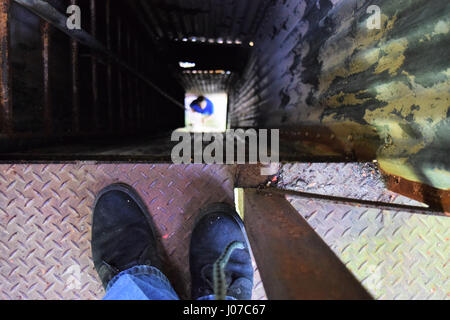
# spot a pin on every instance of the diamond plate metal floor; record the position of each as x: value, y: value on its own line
x: 395, y: 255
x: 45, y: 222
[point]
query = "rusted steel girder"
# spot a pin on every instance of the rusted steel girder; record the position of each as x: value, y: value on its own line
x: 294, y: 262
x: 437, y: 199
x: 6, y: 125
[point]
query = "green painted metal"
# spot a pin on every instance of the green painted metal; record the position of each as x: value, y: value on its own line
x: 380, y: 93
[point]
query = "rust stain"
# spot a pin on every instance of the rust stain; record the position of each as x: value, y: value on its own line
x: 435, y: 198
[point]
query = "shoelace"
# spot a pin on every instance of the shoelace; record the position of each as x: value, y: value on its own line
x: 219, y: 279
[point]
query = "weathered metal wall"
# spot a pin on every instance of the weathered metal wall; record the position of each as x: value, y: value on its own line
x: 318, y: 71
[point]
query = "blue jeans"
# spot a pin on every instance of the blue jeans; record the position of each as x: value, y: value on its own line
x: 143, y: 283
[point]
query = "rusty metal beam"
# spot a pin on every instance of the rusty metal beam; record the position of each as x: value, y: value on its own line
x: 294, y: 262
x: 45, y: 36
x: 6, y: 125
x: 58, y: 20
x: 95, y: 104
x: 354, y: 202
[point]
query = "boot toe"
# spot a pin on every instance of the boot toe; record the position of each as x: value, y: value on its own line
x: 122, y: 234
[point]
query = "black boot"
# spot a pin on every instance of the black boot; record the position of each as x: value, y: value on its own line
x: 218, y: 227
x: 122, y: 232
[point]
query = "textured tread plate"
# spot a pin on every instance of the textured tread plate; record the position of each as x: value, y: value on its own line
x: 45, y: 222
x: 396, y: 255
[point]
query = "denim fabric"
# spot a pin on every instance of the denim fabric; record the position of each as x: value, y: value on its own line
x: 140, y: 283
x: 143, y: 283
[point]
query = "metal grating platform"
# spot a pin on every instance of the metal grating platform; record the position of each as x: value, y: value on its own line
x: 395, y: 255
x: 45, y: 222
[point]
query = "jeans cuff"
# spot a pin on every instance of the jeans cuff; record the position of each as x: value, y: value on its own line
x: 141, y: 270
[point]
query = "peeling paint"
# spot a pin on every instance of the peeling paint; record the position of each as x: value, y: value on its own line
x: 346, y: 99
x: 388, y: 89
x: 442, y: 27
x: 393, y: 57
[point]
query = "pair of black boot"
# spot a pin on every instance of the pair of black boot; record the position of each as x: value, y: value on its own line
x: 123, y: 236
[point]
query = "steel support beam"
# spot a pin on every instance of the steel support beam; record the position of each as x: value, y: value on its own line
x: 58, y: 20
x: 294, y: 262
